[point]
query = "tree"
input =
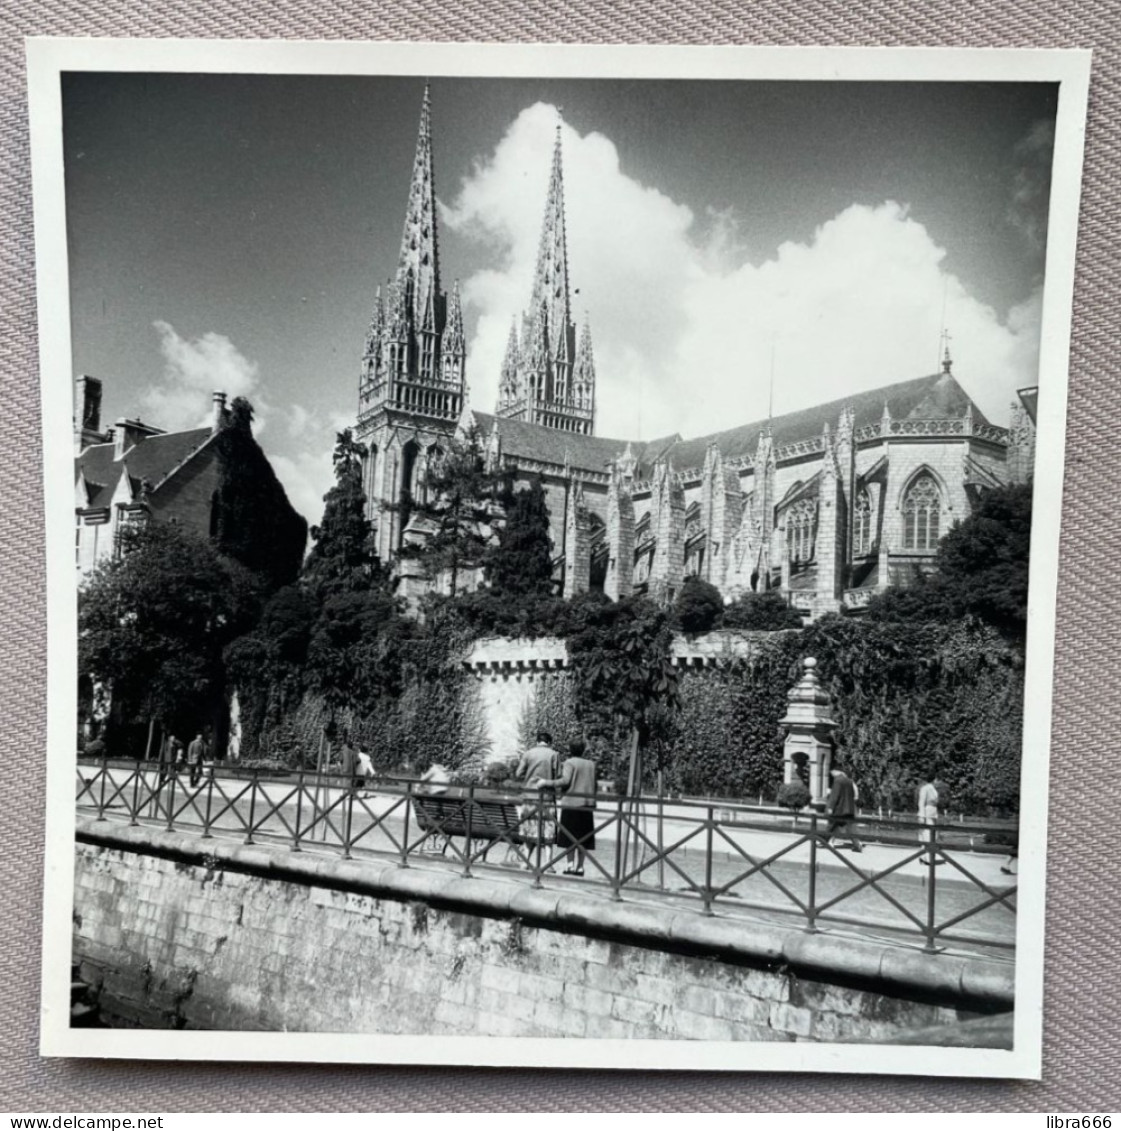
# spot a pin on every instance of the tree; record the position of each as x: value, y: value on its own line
x: 462, y: 497
x: 625, y: 682
x: 982, y: 569
x: 343, y: 557
x: 356, y: 622
x: 521, y: 564
x: 153, y: 624
x: 699, y: 606
x: 253, y: 521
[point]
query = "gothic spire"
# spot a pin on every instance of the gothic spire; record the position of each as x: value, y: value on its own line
x: 418, y: 269
x: 508, y: 380
x: 550, y: 280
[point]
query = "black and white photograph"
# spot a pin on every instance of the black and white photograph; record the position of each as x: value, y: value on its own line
x: 563, y: 552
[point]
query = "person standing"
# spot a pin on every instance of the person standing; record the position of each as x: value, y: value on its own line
x: 538, y: 813
x: 195, y: 753
x: 928, y: 808
x: 539, y: 761
x: 169, y: 757
x: 577, y: 782
x: 841, y: 808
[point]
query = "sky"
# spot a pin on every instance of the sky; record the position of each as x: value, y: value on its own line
x: 732, y: 244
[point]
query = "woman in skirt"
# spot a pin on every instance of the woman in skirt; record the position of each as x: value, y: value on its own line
x: 577, y: 783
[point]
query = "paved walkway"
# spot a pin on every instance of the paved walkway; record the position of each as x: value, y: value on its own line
x: 900, y: 902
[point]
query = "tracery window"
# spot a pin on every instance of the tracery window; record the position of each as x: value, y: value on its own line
x: 800, y: 521
x: 921, y: 514
x: 862, y: 523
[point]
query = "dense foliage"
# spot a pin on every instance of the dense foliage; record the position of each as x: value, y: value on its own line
x: 153, y: 624
x: 253, y: 521
x: 909, y: 699
x: 521, y: 563
x: 463, y: 495
x: 699, y: 606
x: 793, y: 795
x: 982, y: 569
x: 762, y: 612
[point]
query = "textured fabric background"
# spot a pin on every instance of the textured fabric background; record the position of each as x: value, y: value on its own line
x: 1082, y: 1041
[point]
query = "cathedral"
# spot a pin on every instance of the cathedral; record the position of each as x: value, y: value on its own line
x: 827, y: 505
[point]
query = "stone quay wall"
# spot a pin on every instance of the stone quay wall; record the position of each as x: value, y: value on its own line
x: 179, y: 932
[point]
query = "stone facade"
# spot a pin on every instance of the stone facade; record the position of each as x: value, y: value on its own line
x: 828, y: 505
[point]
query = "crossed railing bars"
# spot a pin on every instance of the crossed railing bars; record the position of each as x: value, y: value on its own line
x: 404, y: 820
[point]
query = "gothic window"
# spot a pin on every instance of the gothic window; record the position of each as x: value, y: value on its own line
x: 921, y: 513
x: 862, y: 523
x: 800, y: 520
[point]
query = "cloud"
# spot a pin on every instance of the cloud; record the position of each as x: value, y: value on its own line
x: 307, y: 475
x: 686, y: 329
x: 299, y: 449
x: 193, y: 371
x: 1031, y: 187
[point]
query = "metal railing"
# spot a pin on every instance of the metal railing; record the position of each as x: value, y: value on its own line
x: 718, y: 856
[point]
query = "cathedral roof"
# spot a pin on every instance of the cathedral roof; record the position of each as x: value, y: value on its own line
x: 935, y: 397
x: 153, y: 458
x: 550, y: 445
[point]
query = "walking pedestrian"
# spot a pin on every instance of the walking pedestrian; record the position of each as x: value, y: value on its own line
x: 195, y: 753
x: 841, y: 808
x: 169, y: 757
x: 365, y: 768
x: 577, y: 781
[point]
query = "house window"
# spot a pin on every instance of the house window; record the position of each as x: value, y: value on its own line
x: 800, y: 530
x: 862, y: 523
x: 921, y: 512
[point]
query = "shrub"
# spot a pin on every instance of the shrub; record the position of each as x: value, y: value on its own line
x: 698, y: 607
x: 793, y: 796
x: 765, y: 612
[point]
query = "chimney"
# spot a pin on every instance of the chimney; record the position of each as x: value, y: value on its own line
x: 128, y: 433
x: 87, y: 412
x: 218, y: 417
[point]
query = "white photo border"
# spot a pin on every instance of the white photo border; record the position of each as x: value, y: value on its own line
x: 47, y: 59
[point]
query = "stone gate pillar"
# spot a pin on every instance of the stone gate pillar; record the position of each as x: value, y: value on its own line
x: 809, y: 731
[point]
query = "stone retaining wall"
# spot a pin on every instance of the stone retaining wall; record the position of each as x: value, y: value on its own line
x: 177, y: 932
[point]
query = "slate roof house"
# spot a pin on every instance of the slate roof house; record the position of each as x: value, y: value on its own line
x: 134, y: 472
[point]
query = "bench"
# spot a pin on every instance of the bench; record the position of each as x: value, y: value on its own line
x: 492, y: 820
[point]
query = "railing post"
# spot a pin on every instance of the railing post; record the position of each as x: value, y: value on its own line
x: 708, y: 860
x: 405, y: 838
x: 470, y: 814
x: 252, y: 807
x: 171, y: 801
x: 812, y: 899
x: 617, y: 878
x: 104, y: 778
x: 299, y: 810
x: 134, y: 815
x: 209, y: 801
x: 536, y: 857
x: 348, y: 817
x: 930, y: 892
